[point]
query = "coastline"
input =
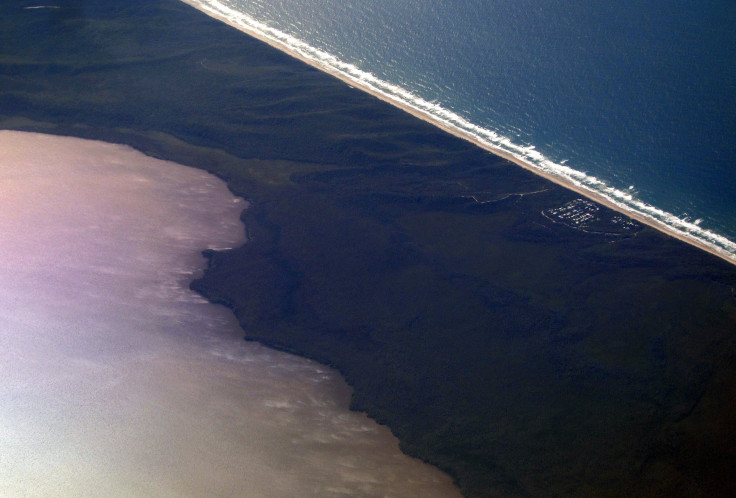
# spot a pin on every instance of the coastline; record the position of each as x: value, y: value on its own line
x: 140, y: 272
x: 469, y: 326
x: 590, y: 194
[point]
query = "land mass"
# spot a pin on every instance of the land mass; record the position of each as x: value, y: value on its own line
x: 596, y: 196
x: 525, y: 340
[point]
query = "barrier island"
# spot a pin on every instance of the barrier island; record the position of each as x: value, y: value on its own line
x: 523, y: 339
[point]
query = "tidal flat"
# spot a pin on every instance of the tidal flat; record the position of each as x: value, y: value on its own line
x: 522, y: 353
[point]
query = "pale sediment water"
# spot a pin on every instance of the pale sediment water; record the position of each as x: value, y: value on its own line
x: 629, y: 104
x: 117, y: 380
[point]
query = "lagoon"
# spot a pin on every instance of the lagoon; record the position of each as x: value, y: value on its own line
x: 120, y: 381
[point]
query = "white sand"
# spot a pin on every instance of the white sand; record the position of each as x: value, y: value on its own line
x: 662, y: 227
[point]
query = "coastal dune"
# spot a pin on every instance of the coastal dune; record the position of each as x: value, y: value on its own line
x: 120, y: 381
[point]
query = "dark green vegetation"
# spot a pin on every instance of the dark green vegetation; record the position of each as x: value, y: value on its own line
x: 522, y: 355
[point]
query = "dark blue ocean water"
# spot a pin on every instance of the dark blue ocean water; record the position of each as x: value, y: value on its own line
x: 635, y: 99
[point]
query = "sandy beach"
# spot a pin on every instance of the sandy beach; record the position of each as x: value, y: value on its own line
x: 507, y: 330
x: 465, y: 136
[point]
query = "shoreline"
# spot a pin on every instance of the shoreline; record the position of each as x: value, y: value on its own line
x: 592, y: 195
x: 468, y: 328
x: 148, y: 324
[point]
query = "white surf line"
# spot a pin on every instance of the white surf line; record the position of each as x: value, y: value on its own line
x: 524, y: 156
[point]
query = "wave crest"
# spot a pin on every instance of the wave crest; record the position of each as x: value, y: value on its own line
x: 434, y: 112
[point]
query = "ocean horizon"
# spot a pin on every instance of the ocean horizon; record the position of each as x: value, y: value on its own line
x: 597, y: 97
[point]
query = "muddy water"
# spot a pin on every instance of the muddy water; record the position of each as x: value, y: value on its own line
x: 116, y: 380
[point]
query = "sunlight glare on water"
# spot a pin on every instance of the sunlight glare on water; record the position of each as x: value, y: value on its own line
x: 117, y: 380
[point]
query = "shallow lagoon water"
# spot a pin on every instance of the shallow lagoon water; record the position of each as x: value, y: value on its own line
x: 117, y: 380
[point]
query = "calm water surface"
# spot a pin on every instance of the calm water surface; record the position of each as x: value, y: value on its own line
x: 117, y: 380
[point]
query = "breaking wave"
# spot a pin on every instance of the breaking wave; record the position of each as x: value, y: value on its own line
x: 624, y: 200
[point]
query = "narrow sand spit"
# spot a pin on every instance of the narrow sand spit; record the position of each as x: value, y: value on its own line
x: 585, y: 192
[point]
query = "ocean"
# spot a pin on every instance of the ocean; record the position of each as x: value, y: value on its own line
x: 632, y: 100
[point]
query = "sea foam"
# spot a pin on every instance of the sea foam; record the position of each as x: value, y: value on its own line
x: 434, y: 112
